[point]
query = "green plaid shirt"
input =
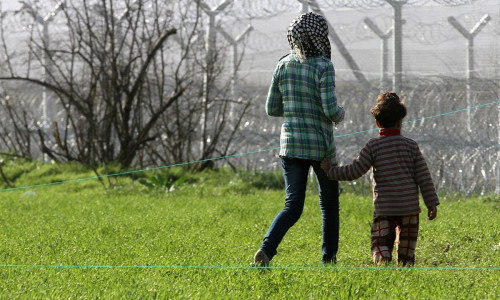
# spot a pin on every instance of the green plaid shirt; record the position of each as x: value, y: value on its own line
x: 304, y: 95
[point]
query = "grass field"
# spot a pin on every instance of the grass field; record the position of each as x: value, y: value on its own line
x: 81, y: 240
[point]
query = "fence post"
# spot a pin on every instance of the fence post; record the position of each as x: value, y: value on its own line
x: 384, y: 59
x: 48, y: 113
x: 304, y: 7
x: 210, y: 39
x: 470, y: 56
x: 343, y: 50
x: 397, y: 25
x: 234, y: 63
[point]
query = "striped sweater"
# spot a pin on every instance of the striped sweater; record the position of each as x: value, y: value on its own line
x: 399, y: 170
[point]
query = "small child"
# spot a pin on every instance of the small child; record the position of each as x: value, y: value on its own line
x: 399, y: 171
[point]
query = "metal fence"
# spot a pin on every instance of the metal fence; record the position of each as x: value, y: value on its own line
x: 441, y: 55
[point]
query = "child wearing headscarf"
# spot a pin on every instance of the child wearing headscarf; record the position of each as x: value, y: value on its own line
x: 302, y: 92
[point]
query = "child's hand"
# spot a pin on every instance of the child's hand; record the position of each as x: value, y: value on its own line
x: 432, y: 212
x: 326, y: 165
x: 340, y: 115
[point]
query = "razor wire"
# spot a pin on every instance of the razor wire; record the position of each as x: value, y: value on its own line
x: 378, y: 3
x: 495, y: 147
x: 416, y: 30
x: 454, y: 2
x: 252, y: 9
x: 480, y: 155
x: 247, y: 10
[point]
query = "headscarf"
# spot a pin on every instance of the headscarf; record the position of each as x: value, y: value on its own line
x: 308, y: 36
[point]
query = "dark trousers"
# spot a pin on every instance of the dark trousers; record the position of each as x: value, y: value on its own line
x: 296, y: 173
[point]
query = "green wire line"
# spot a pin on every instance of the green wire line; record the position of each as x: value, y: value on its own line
x: 233, y: 155
x: 248, y: 267
x: 425, y: 118
x: 253, y: 268
x: 134, y: 171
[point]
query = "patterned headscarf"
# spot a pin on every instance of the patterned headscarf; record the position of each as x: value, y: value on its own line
x: 308, y: 36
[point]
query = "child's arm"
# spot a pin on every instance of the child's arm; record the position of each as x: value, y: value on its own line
x: 424, y: 181
x: 355, y: 170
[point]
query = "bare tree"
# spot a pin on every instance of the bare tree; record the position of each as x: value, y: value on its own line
x: 128, y: 84
x: 98, y: 73
x: 15, y: 123
x: 199, y: 127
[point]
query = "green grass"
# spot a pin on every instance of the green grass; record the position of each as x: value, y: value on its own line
x: 81, y: 240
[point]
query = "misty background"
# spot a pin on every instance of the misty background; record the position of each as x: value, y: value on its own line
x: 460, y: 141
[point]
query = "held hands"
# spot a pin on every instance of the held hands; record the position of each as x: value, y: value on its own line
x: 326, y: 165
x: 432, y: 212
x: 340, y: 116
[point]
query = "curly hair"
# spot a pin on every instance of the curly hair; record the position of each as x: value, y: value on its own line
x: 388, y: 110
